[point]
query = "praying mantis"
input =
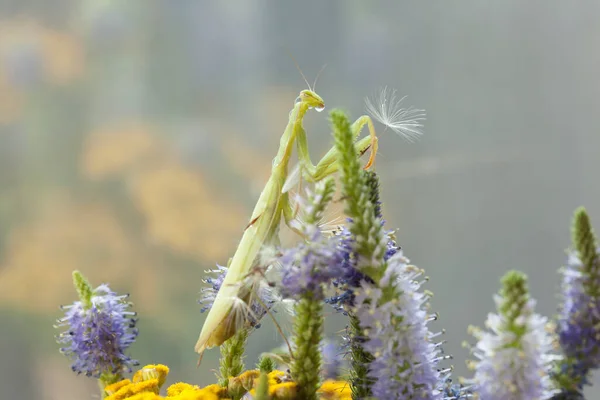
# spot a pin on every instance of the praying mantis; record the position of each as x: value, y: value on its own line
x: 274, y: 202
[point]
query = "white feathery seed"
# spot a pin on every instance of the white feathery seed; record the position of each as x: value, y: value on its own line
x: 387, y: 109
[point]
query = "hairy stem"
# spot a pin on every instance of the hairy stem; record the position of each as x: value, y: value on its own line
x: 306, y: 366
x: 232, y: 356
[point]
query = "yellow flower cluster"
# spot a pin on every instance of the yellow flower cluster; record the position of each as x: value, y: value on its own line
x: 146, y: 384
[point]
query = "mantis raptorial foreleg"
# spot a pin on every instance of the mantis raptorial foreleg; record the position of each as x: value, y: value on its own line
x: 328, y: 165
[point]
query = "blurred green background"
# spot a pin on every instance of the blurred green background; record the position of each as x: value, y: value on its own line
x: 135, y: 137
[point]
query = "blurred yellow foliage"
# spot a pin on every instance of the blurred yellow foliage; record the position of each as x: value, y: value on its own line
x: 185, y: 213
x: 11, y: 102
x: 36, y: 272
x: 61, y: 54
x: 251, y: 162
x: 27, y: 49
x: 64, y: 55
x: 248, y: 162
x: 119, y: 149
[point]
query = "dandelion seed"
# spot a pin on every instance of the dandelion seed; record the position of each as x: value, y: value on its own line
x: 386, y: 108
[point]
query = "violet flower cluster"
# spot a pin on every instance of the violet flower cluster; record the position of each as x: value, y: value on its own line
x: 99, y: 329
x: 311, y: 266
x: 579, y: 322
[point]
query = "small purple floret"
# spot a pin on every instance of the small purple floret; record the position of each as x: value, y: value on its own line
x: 310, y: 266
x: 256, y: 309
x: 351, y: 277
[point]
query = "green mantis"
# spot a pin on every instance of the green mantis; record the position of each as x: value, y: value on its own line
x: 273, y: 203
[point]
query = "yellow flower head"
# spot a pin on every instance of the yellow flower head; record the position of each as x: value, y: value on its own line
x: 151, y: 385
x: 192, y: 394
x: 277, y: 376
x: 145, y: 396
x: 283, y: 391
x: 123, y: 393
x: 248, y: 378
x: 131, y: 389
x: 335, y: 390
x: 217, y: 389
x: 158, y: 372
x: 114, y: 387
x: 179, y: 387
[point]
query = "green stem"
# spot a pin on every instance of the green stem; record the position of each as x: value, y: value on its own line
x: 262, y: 390
x: 107, y: 379
x: 308, y: 328
x: 360, y: 383
x: 232, y: 356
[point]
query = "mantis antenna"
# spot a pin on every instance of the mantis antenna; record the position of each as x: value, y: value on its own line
x: 318, y: 75
x: 314, y: 85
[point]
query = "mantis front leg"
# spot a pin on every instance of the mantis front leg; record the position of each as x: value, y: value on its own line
x: 329, y: 164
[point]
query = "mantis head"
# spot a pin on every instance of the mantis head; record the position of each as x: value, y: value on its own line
x: 311, y: 100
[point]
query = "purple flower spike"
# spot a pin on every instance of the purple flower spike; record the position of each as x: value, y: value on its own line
x: 406, y: 357
x: 579, y: 324
x: 515, y: 355
x: 98, y: 335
